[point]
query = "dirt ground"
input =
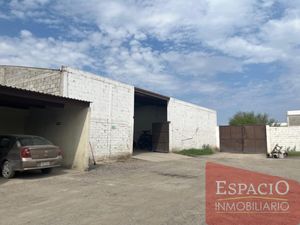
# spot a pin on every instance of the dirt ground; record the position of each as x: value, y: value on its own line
x: 129, y: 193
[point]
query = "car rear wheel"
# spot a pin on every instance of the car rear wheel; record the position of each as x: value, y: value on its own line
x: 46, y: 170
x: 7, y: 170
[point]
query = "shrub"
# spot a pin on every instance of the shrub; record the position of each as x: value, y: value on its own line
x: 205, y: 150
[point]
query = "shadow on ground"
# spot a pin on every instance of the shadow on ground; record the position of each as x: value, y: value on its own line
x: 2, y: 180
x: 34, y: 174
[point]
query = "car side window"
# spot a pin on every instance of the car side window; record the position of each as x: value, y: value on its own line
x: 5, y: 143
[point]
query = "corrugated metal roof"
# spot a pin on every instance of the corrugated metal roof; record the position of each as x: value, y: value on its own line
x: 13, y: 88
x: 151, y: 94
x: 29, y: 67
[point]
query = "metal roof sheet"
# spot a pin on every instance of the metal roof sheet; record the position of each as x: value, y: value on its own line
x: 21, y: 91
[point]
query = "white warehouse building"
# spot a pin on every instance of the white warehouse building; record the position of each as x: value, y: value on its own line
x: 119, y: 113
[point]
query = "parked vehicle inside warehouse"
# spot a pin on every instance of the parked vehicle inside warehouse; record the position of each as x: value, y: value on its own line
x: 27, y: 152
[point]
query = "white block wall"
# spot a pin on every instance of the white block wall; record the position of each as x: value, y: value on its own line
x: 191, y: 126
x: 218, y: 137
x: 35, y: 79
x: 112, y: 109
x: 284, y: 136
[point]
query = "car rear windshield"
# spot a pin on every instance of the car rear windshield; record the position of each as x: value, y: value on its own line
x: 29, y: 141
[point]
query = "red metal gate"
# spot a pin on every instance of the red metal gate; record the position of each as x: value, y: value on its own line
x: 243, y: 139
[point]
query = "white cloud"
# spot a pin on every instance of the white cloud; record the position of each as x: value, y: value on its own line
x: 173, y: 46
x: 26, y: 8
x: 167, y: 19
x: 138, y: 65
x: 29, y: 50
x: 249, y: 52
x: 282, y: 33
x: 27, y: 4
x: 200, y: 63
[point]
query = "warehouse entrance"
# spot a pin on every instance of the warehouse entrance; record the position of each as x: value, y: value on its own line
x: 151, y: 127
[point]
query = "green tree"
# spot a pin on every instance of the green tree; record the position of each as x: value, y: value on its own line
x: 250, y: 118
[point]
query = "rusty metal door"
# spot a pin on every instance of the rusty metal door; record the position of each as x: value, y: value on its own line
x: 231, y: 138
x: 160, y: 137
x: 243, y: 139
x: 255, y: 139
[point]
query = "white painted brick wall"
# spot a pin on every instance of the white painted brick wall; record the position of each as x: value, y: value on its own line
x: 112, y: 108
x: 2, y: 75
x: 284, y: 136
x: 191, y: 126
x: 35, y: 79
x: 218, y: 137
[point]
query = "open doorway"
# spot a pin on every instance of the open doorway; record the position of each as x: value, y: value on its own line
x: 151, y: 128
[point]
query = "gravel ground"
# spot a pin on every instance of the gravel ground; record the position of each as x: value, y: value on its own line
x: 130, y: 192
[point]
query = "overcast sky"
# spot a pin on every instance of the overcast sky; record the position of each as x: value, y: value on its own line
x: 228, y: 55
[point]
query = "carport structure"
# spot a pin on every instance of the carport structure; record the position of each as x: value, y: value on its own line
x: 63, y: 121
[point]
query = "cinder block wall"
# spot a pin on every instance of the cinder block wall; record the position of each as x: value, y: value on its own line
x: 191, y: 126
x: 293, y: 120
x: 35, y: 79
x: 283, y: 136
x: 71, y: 135
x: 112, y: 109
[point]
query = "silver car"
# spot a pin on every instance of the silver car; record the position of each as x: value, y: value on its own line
x: 27, y: 152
